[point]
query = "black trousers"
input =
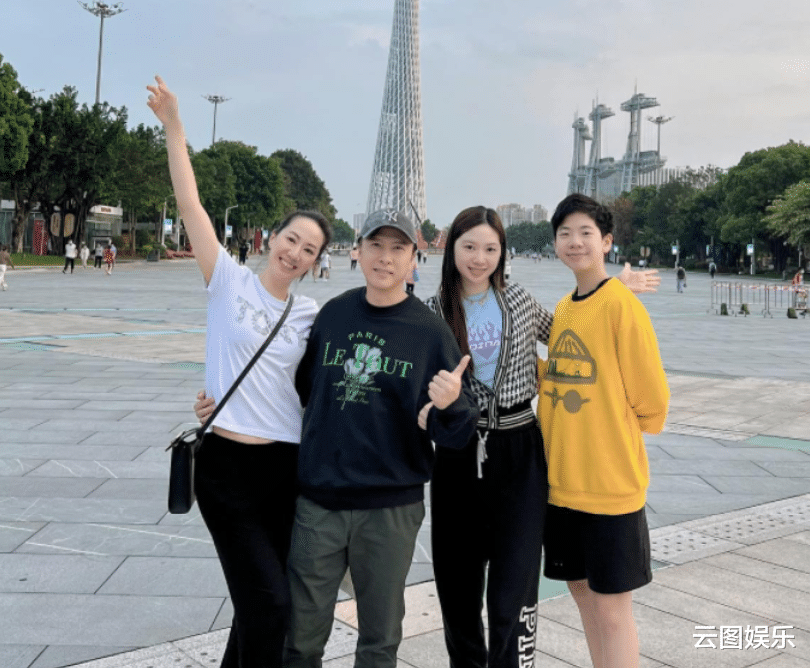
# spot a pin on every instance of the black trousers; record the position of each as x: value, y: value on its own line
x: 495, y: 521
x: 97, y: 261
x: 246, y: 494
x: 69, y: 262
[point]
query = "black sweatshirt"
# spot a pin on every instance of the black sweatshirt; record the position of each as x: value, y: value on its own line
x: 363, y: 380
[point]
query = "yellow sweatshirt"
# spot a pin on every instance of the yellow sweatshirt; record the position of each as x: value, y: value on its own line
x: 603, y: 385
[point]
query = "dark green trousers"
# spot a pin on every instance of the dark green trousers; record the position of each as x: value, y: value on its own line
x: 377, y: 547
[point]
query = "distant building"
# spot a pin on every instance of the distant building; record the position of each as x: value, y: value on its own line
x: 357, y: 222
x: 512, y: 214
x: 539, y: 213
x: 605, y: 178
x: 103, y: 222
x: 6, y: 216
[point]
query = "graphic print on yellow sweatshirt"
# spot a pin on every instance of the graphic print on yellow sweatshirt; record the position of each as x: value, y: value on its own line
x: 603, y: 385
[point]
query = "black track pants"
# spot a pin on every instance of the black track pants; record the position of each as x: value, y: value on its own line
x: 496, y: 521
x: 246, y: 495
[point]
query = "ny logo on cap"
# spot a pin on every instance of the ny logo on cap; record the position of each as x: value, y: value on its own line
x: 392, y: 215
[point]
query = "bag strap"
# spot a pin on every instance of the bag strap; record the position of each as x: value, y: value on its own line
x: 244, y: 373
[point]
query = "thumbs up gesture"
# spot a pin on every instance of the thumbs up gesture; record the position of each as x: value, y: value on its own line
x: 445, y: 387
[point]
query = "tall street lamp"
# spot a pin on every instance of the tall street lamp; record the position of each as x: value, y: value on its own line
x: 103, y: 11
x: 216, y: 99
x: 226, y: 221
x: 659, y: 121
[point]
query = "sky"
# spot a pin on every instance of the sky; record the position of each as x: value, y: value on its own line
x: 501, y: 82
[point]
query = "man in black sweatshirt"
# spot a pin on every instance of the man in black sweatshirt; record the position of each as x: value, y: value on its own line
x: 376, y: 358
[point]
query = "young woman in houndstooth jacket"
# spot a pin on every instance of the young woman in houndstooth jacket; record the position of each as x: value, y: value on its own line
x: 488, y: 500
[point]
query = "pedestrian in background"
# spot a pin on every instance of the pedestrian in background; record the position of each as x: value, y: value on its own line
x: 326, y: 263
x: 109, y: 258
x: 712, y: 269
x: 98, y: 255
x: 680, y: 275
x: 84, y: 253
x: 70, y: 256
x: 5, y: 260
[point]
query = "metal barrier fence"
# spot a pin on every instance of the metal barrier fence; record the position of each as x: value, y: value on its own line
x: 745, y: 298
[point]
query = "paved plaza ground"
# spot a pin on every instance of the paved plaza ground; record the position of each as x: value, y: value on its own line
x: 97, y: 372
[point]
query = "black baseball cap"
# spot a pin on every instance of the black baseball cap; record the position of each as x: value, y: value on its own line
x: 389, y: 218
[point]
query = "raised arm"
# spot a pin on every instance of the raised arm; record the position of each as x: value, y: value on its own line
x: 197, y: 223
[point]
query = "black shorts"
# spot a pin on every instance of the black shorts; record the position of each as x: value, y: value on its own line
x: 611, y: 551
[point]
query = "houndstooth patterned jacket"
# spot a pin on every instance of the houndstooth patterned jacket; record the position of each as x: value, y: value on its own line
x: 525, y: 323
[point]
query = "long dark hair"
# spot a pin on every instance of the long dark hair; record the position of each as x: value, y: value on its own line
x: 450, y: 288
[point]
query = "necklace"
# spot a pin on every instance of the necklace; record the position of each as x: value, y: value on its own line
x: 477, y: 300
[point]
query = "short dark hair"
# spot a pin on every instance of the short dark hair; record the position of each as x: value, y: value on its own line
x: 579, y: 203
x: 315, y: 216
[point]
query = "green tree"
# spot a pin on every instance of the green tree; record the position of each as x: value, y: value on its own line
x: 216, y: 184
x: 752, y: 185
x: 16, y: 123
x: 27, y: 182
x: 342, y: 232
x: 87, y: 138
x: 665, y: 221
x: 623, y: 232
x: 789, y: 215
x: 258, y: 186
x: 140, y: 176
x: 303, y: 187
x: 529, y: 237
x: 700, y: 215
x: 429, y: 231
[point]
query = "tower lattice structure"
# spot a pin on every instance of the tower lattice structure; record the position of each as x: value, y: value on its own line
x: 596, y: 166
x: 576, y: 178
x: 635, y: 161
x: 398, y: 175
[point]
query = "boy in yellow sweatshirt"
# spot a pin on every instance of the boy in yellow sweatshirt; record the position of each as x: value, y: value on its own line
x: 603, y: 386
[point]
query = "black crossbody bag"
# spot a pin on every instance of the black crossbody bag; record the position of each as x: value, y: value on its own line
x: 184, y: 447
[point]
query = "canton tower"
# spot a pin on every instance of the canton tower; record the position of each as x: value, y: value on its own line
x: 398, y: 176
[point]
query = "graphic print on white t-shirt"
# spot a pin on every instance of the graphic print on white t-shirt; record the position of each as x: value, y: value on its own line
x: 262, y: 323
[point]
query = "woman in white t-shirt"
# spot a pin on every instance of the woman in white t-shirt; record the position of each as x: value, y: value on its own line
x: 326, y: 264
x: 246, y: 469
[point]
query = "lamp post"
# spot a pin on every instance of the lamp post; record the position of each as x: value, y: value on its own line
x: 659, y: 121
x: 225, y: 232
x: 216, y: 99
x: 103, y: 11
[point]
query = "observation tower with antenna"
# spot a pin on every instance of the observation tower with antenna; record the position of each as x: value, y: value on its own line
x: 398, y: 175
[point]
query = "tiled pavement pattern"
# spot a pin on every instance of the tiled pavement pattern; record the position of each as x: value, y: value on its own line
x: 97, y: 372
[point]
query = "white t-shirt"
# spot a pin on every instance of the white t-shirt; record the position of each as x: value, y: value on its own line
x: 70, y: 250
x: 241, y: 314
x: 325, y: 260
